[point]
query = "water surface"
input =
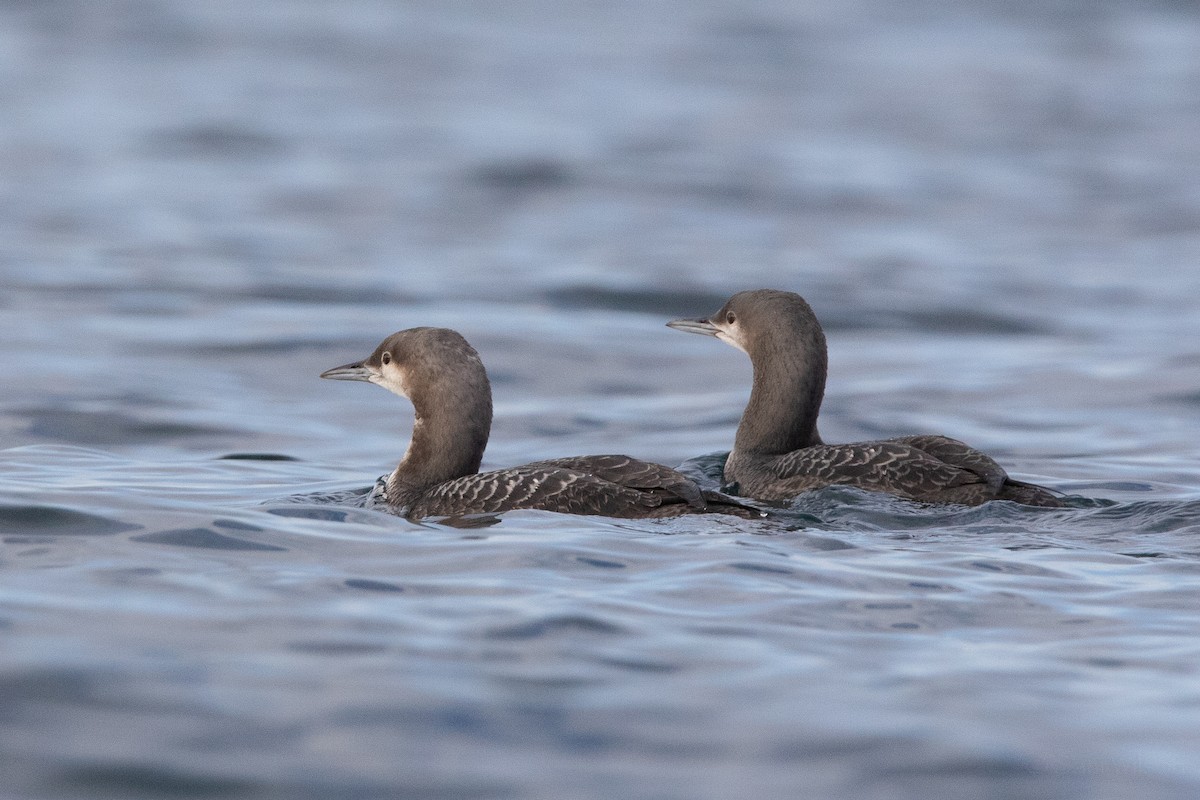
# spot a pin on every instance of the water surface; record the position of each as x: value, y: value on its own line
x: 994, y: 212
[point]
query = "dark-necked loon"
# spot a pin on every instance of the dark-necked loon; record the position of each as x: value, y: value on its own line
x: 438, y: 476
x: 778, y: 453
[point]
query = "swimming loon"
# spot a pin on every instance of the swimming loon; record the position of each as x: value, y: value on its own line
x: 443, y: 376
x: 778, y: 453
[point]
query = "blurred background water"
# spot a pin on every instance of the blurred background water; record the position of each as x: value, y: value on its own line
x: 993, y: 207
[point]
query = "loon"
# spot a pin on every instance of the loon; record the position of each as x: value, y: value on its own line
x: 444, y: 378
x: 778, y: 453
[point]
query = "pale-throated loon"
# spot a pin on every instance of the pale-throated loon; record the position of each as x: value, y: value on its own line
x: 438, y: 476
x: 778, y: 453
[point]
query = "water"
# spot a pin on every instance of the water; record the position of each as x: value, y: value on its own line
x: 994, y: 211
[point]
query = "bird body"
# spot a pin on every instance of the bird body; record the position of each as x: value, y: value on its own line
x: 443, y: 376
x: 778, y: 452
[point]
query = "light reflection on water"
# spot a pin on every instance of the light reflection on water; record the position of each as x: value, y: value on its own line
x: 260, y: 194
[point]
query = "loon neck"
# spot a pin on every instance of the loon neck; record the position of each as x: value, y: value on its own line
x: 785, y: 399
x: 448, y: 440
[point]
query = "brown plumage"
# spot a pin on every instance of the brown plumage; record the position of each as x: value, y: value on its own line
x: 778, y: 452
x: 439, y: 474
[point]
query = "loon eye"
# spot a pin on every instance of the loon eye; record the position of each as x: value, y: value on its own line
x: 386, y: 358
x: 730, y: 318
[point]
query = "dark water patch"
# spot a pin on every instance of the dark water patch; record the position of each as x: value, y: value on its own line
x: 1025, y: 546
x: 368, y: 585
x: 317, y: 205
x: 137, y: 780
x: 554, y: 426
x: 525, y: 682
x: 550, y: 722
x: 322, y: 514
x: 329, y: 294
x: 256, y: 457
x: 764, y: 547
x: 152, y: 781
x: 666, y: 303
x: 640, y: 665
x: 410, y: 789
x: 522, y: 176
x: 213, y: 142
x: 570, y: 623
x: 336, y: 648
x: 204, y: 539
x: 827, y: 543
x: 946, y: 321
x: 1013, y: 777
x: 959, y: 321
x: 836, y: 746
x: 1106, y: 663
x: 460, y: 719
x: 129, y: 576
x: 621, y: 388
x: 255, y: 347
x: 755, y: 51
x: 748, y: 566
x: 752, y: 32
x: 235, y: 525
x: 726, y: 188
x: 56, y: 521
x: 1015, y: 568
x: 979, y: 767
x: 1187, y: 398
x: 68, y: 688
x: 1112, y: 486
x: 600, y: 562
x: 110, y: 427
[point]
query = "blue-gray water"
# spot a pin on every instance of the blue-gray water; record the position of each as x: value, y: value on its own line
x: 995, y: 208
